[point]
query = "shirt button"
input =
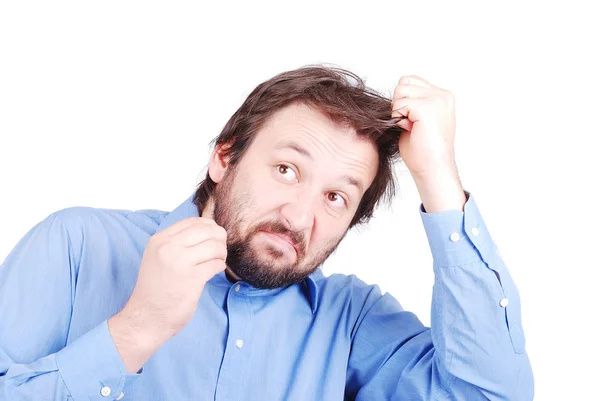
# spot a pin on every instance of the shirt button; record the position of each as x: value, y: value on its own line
x: 239, y: 343
x: 105, y: 391
x: 120, y: 396
x: 454, y: 237
x: 237, y: 288
x: 504, y: 302
x: 475, y: 231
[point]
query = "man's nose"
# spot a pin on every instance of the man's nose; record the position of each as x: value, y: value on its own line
x: 298, y: 214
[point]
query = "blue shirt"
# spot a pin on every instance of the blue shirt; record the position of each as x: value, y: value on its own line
x: 326, y: 338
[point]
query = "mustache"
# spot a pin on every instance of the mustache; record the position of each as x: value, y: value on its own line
x: 277, y: 227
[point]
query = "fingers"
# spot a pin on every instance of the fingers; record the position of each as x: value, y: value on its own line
x: 193, y: 241
x: 203, y: 252
x: 415, y: 80
x: 408, y: 107
x: 193, y: 230
x: 408, y: 90
x: 405, y: 124
x: 410, y: 94
x: 181, y: 225
x: 199, y: 232
x: 213, y: 267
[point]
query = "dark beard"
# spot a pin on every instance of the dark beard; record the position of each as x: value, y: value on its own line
x: 242, y: 258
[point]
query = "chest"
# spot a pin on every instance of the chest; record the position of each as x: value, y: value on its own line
x: 245, y: 349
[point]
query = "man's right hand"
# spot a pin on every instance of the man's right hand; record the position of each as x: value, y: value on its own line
x: 176, y: 264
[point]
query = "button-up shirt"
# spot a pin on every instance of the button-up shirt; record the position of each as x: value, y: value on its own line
x: 325, y: 338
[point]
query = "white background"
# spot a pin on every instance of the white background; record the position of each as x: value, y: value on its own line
x: 113, y: 104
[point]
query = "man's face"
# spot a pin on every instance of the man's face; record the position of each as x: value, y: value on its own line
x: 290, y: 199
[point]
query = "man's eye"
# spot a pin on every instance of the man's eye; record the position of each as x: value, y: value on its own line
x: 336, y: 199
x: 286, y: 172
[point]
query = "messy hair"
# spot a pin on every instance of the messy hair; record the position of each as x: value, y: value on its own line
x: 340, y: 95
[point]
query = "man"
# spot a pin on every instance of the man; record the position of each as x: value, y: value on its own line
x: 223, y: 298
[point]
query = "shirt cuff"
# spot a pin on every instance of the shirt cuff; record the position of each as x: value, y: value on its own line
x: 92, y: 368
x: 456, y: 237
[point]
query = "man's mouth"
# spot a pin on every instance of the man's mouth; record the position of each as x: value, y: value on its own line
x: 282, y: 239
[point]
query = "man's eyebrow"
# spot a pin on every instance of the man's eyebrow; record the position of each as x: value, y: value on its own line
x: 354, y: 182
x: 295, y: 147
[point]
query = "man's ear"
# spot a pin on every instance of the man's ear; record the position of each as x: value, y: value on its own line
x: 219, y: 162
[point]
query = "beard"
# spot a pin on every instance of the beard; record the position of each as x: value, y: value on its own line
x: 269, y: 270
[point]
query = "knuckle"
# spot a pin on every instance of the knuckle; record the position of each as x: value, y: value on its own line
x: 188, y: 221
x: 447, y: 95
x: 207, y: 221
x: 211, y: 268
x: 440, y: 99
x: 214, y: 247
x: 217, y: 264
x: 400, y: 90
x: 218, y: 249
x: 224, y: 251
x: 163, y: 252
x: 198, y: 221
x: 220, y: 265
x: 158, y: 238
x: 154, y: 240
x: 221, y: 232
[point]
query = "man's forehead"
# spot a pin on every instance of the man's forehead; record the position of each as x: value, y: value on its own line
x: 307, y: 132
x: 298, y: 119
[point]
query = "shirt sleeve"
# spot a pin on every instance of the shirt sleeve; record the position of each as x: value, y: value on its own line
x: 37, y: 285
x: 475, y: 348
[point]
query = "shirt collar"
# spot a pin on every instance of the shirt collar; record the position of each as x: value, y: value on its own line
x: 189, y: 209
x: 183, y: 211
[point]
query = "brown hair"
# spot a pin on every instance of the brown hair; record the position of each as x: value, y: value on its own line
x: 339, y: 94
